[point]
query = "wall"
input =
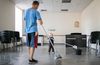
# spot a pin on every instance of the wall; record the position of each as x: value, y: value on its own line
x: 7, y: 15
x: 60, y: 23
x: 91, y: 17
x: 18, y: 20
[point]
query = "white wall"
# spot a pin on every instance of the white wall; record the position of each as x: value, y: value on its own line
x: 91, y: 17
x: 7, y: 15
x: 18, y: 20
x: 62, y: 23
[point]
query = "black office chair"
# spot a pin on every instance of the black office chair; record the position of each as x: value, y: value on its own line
x: 17, y: 37
x: 80, y: 39
x: 94, y: 39
x: 5, y: 38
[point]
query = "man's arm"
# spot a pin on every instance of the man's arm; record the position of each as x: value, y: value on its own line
x: 39, y: 18
x: 41, y: 23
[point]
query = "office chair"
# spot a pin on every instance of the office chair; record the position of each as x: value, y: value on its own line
x: 94, y: 39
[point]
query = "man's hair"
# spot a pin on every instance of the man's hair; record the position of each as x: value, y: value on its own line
x: 35, y: 3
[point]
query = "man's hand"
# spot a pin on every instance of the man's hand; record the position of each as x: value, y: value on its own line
x: 40, y: 22
x: 36, y: 33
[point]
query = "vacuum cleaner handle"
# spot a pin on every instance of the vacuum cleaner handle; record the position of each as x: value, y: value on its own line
x: 45, y: 32
x: 47, y: 35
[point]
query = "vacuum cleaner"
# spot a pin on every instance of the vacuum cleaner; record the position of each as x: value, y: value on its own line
x: 57, y: 56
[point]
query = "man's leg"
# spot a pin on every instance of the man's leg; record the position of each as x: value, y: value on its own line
x: 32, y: 48
x: 31, y: 53
x: 28, y: 43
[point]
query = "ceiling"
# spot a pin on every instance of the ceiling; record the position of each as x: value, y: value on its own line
x: 55, y: 5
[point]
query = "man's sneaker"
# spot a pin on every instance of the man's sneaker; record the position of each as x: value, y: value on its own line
x: 33, y: 61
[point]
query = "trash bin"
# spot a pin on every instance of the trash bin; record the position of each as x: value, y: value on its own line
x: 78, y: 51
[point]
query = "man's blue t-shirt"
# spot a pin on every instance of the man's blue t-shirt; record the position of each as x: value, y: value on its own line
x: 31, y: 17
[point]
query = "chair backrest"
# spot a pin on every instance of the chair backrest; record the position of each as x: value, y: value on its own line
x: 17, y: 35
x: 5, y: 36
x: 76, y: 33
x: 95, y: 35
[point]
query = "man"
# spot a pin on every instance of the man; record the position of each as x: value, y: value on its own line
x: 31, y: 18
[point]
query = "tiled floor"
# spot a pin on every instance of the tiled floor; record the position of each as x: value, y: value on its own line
x: 19, y: 56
